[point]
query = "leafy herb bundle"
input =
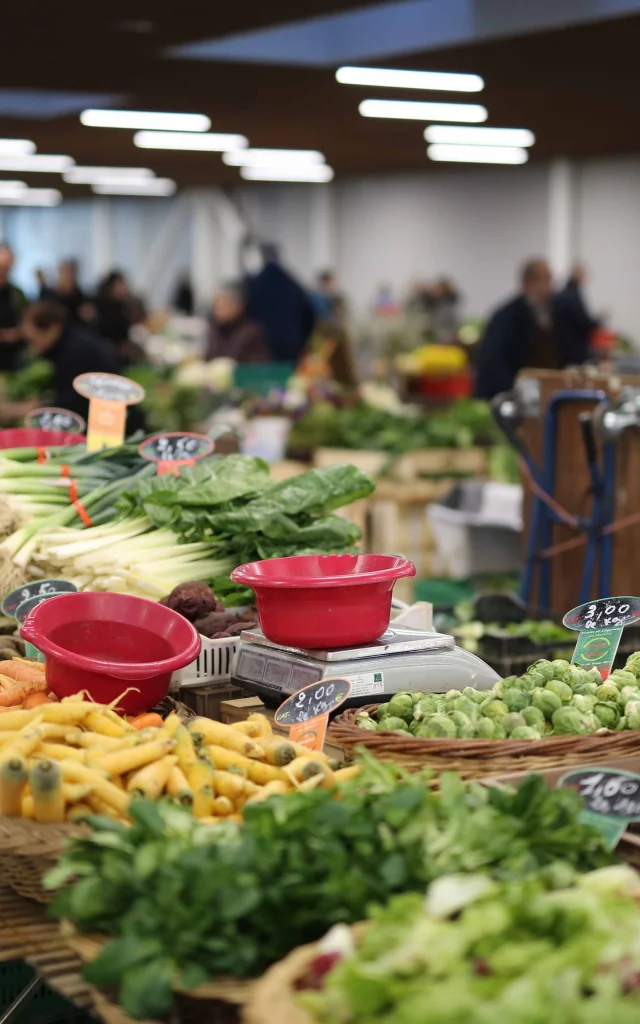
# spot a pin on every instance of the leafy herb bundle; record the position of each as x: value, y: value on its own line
x: 186, y: 903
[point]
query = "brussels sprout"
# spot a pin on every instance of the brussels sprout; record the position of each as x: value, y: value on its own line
x: 467, y: 732
x: 607, y: 713
x: 510, y: 681
x: 622, y: 677
x: 416, y: 697
x: 451, y: 695
x: 632, y: 715
x: 573, y: 675
x: 584, y: 702
x: 560, y: 667
x: 532, y: 678
x: 516, y: 700
x: 546, y: 701
x: 465, y: 704
x: 545, y: 668
x: 608, y: 691
x: 384, y: 710
x: 534, y: 718
x: 402, y: 707
x: 512, y: 721
x: 633, y: 664
x: 498, y: 689
x: 627, y: 693
x: 494, y: 708
x: 479, y: 696
x: 429, y: 705
x: 459, y: 719
x: 402, y: 700
x: 499, y: 731
x: 568, y: 721
x: 365, y: 722
x: 590, y: 722
x: 562, y: 690
x: 525, y: 732
x: 485, y: 729
x: 438, y: 726
x: 414, y: 726
x: 394, y: 724
x: 586, y: 688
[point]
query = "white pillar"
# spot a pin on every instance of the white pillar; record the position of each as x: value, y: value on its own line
x: 101, y: 237
x: 204, y: 248
x: 561, y: 218
x: 322, y: 229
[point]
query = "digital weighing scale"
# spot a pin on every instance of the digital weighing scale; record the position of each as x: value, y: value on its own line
x: 401, y: 659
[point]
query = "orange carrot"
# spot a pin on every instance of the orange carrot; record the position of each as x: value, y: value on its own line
x: 34, y: 700
x: 22, y: 671
x: 148, y: 720
x: 10, y: 698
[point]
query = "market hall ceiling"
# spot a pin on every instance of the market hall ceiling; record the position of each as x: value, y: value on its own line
x: 566, y: 69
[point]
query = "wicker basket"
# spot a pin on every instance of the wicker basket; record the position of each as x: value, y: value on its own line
x: 27, y: 851
x: 475, y: 759
x: 217, y: 1003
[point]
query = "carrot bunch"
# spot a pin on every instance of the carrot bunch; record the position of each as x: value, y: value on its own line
x: 23, y: 683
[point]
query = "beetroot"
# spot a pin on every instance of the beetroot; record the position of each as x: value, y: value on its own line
x: 192, y: 600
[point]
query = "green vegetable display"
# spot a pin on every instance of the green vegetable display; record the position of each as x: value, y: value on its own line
x: 184, y: 902
x: 482, y: 952
x: 551, y: 698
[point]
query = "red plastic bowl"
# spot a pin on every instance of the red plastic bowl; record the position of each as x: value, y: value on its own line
x: 104, y: 643
x: 324, y: 600
x: 33, y: 437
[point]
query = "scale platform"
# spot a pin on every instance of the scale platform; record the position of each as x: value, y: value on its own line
x: 401, y: 659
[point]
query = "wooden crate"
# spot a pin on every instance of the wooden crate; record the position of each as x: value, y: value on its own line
x: 206, y: 700
x: 409, y: 467
x: 238, y: 710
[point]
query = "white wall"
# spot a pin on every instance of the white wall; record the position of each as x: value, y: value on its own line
x: 475, y: 225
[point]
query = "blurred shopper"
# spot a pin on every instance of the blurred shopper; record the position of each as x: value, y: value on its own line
x: 570, y: 309
x: 527, y: 331
x: 443, y: 305
x: 328, y: 301
x: 183, y: 299
x: 281, y: 306
x: 118, y: 309
x: 232, y: 334
x: 72, y: 349
x: 13, y: 302
x: 68, y: 293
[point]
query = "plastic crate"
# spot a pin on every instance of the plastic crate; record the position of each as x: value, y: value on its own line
x: 212, y: 665
x: 477, y: 529
x: 45, y: 1007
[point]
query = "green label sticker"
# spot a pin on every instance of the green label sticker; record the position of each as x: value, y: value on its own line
x: 597, y: 647
x: 600, y: 624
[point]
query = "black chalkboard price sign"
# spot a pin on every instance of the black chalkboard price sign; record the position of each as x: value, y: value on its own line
x: 313, y: 701
x: 55, y: 419
x: 605, y: 613
x: 109, y: 387
x: 175, y: 447
x: 40, y: 588
x: 611, y: 798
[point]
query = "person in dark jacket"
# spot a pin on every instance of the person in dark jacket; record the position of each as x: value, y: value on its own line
x: 72, y: 349
x: 281, y: 306
x: 13, y: 302
x: 68, y: 293
x: 571, y: 309
x: 528, y: 331
x: 232, y: 333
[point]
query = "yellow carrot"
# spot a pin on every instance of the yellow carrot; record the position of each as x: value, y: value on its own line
x: 279, y: 753
x: 58, y: 752
x: 200, y: 774
x: 26, y: 809
x: 63, y: 713
x: 122, y: 761
x: 257, y: 771
x: 80, y: 811
x: 229, y: 784
x: 68, y: 733
x: 13, y: 779
x: 250, y: 729
x: 100, y: 723
x: 73, y: 792
x: 263, y: 723
x: 203, y: 802
x: 345, y: 774
x: 276, y: 788
x: 178, y: 787
x: 45, y: 780
x: 106, y: 744
x: 206, y: 730
x: 185, y: 750
x: 223, y: 806
x: 118, y: 800
x: 171, y: 724
x: 24, y: 745
x: 10, y: 720
x: 151, y: 780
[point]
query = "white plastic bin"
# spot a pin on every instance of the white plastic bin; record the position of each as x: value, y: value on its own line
x: 213, y: 664
x: 266, y: 437
x: 477, y: 530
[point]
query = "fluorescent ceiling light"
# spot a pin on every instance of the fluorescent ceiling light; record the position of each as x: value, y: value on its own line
x: 38, y: 162
x: 479, y: 154
x: 16, y: 147
x: 32, y: 197
x: 145, y: 119
x: 91, y: 175
x: 212, y: 142
x: 318, y: 173
x: 406, y: 109
x: 9, y: 187
x: 273, y: 158
x: 442, y: 81
x: 150, y: 187
x: 451, y: 133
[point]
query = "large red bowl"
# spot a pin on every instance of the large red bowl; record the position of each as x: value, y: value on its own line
x: 324, y: 600
x: 33, y: 437
x: 104, y: 643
